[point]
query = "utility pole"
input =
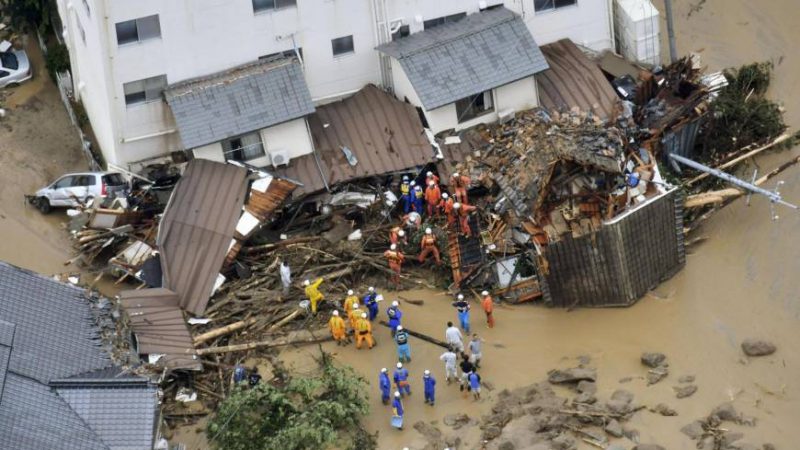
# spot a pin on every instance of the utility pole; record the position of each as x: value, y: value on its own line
x: 673, y: 51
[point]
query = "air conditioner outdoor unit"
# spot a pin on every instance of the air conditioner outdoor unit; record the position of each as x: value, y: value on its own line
x: 505, y: 115
x: 279, y: 157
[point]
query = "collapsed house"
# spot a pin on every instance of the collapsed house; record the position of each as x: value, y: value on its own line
x: 59, y: 387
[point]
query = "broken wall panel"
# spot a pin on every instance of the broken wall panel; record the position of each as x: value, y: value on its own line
x: 621, y: 262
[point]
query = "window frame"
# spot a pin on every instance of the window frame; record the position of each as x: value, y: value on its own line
x: 442, y: 20
x: 275, y: 7
x: 284, y: 54
x: 136, y: 23
x: 461, y: 109
x: 343, y: 54
x: 242, y: 149
x: 554, y: 7
x: 147, y: 98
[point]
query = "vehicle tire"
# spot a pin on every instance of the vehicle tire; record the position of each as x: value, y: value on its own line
x: 44, y: 205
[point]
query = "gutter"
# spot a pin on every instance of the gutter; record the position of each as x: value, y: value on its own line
x: 147, y: 136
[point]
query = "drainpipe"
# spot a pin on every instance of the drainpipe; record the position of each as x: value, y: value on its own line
x: 316, y: 156
x: 673, y: 51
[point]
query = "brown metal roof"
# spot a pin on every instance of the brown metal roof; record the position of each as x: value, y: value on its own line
x: 574, y: 80
x: 197, y: 229
x: 160, y: 328
x: 385, y: 134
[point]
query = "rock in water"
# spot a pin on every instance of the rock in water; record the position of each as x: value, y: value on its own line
x: 657, y: 374
x: 726, y: 411
x: 694, y: 430
x: 758, y: 347
x: 684, y: 391
x: 572, y: 375
x: 653, y: 359
x: 614, y: 428
x: 664, y: 410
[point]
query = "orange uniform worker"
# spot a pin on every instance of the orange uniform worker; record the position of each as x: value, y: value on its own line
x: 349, y: 301
x: 397, y: 234
x: 355, y: 313
x: 446, y: 205
x: 313, y: 293
x: 430, y: 176
x: 428, y: 246
x: 488, y: 308
x: 364, y: 332
x: 433, y: 195
x: 338, y: 330
x: 395, y: 258
x: 463, y: 216
x: 458, y: 185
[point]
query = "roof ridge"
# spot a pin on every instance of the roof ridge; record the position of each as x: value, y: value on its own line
x: 439, y: 43
x: 85, y: 423
x: 269, y: 63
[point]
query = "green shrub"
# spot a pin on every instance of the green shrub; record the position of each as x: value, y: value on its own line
x: 57, y: 59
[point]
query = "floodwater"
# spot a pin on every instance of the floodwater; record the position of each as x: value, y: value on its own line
x: 741, y: 282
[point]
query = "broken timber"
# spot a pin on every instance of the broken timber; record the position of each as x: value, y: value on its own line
x: 419, y: 335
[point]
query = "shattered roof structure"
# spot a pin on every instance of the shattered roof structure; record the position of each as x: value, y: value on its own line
x: 456, y: 60
x: 237, y: 101
x: 197, y: 229
x: 58, y: 387
x: 573, y: 80
x: 384, y: 134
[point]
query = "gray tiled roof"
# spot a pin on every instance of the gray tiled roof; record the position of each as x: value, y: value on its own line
x: 455, y: 60
x: 239, y: 100
x: 50, y: 334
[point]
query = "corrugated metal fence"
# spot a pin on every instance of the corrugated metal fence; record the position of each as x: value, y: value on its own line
x: 620, y: 263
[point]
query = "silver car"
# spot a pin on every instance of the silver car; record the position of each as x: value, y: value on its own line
x: 78, y: 188
x: 14, y: 68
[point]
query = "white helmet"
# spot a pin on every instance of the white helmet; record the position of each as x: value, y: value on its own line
x: 430, y: 174
x: 445, y: 195
x: 378, y: 297
x: 413, y: 183
x: 401, y: 233
x: 428, y: 231
x: 306, y: 283
x: 399, y: 328
x: 349, y: 292
x: 394, y: 303
x: 355, y: 305
x: 335, y: 313
x: 363, y: 315
x: 397, y: 394
x: 461, y: 296
x: 405, y: 177
x: 455, y: 174
x: 399, y: 365
x: 427, y: 372
x: 371, y: 289
x: 384, y: 370
x: 485, y: 293
x: 393, y: 247
x: 456, y: 205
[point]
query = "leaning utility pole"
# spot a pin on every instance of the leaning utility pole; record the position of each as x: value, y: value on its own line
x: 673, y: 50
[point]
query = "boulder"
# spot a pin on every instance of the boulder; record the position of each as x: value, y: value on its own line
x: 573, y: 375
x: 664, y: 410
x: 456, y: 420
x: 684, y: 391
x: 614, y: 428
x: 726, y: 412
x: 587, y: 387
x: 657, y: 374
x: 694, y: 430
x: 653, y: 359
x: 758, y: 347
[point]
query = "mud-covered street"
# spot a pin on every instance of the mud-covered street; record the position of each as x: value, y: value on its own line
x: 740, y: 280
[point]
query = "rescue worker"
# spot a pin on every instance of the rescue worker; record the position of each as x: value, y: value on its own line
x: 395, y: 258
x: 349, y: 301
x: 462, y: 306
x: 462, y: 211
x: 405, y: 194
x: 397, y: 234
x: 286, y: 278
x: 430, y: 387
x: 412, y: 220
x: 397, y: 411
x: 419, y: 199
x: 433, y: 195
x: 450, y: 372
x: 395, y: 315
x: 428, y: 247
x: 446, y: 205
x: 337, y: 326
x: 313, y: 293
x: 364, y: 332
x: 430, y: 176
x: 475, y: 353
x: 401, y: 380
x: 371, y: 300
x: 466, y: 369
x: 452, y: 336
x: 385, y: 385
x: 488, y: 308
x: 354, y: 315
x: 403, y: 347
x: 475, y: 384
x: 458, y: 185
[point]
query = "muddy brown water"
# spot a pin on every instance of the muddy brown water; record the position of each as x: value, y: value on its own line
x: 741, y: 282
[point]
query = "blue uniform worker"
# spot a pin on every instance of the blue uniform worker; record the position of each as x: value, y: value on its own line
x: 403, y: 347
x: 385, y: 385
x: 401, y: 380
x: 371, y: 300
x: 462, y: 306
x: 475, y: 384
x: 394, y: 314
x: 430, y: 387
x: 406, y: 196
x: 418, y: 198
x: 397, y: 411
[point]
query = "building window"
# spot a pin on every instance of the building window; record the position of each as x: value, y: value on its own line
x: 243, y: 148
x: 442, y: 20
x: 284, y: 54
x: 144, y: 91
x: 342, y: 45
x: 138, y: 30
x: 401, y: 32
x: 88, y: 10
x: 474, y: 106
x: 272, y: 5
x: 549, y: 5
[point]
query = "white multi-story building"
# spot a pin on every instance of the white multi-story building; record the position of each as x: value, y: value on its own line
x: 153, y: 75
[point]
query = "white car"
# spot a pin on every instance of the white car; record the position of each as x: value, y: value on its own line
x: 14, y: 68
x: 78, y: 188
